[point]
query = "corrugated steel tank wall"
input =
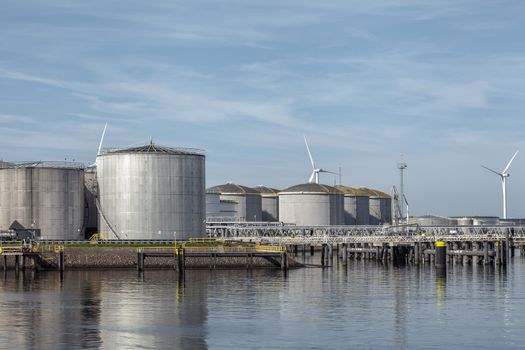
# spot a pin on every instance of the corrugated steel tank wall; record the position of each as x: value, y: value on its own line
x: 311, y: 209
x: 363, y: 210
x: 213, y: 205
x: 357, y: 210
x: 375, y: 211
x: 386, y: 210
x: 270, y: 208
x: 248, y: 207
x: 152, y: 195
x: 51, y: 199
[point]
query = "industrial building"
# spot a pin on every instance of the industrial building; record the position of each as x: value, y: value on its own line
x: 380, y: 207
x: 356, y: 205
x: 47, y: 197
x: 151, y: 192
x: 270, y: 203
x: 311, y: 204
x: 244, y: 203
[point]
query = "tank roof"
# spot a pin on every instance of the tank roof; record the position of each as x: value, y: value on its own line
x: 263, y: 190
x: 231, y: 188
x: 311, y: 188
x: 352, y: 191
x: 41, y: 164
x: 152, y: 147
x: 375, y: 193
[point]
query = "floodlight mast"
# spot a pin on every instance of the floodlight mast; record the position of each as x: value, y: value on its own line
x: 401, y: 166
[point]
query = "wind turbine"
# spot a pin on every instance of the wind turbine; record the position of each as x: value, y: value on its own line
x: 504, y: 174
x: 314, y: 178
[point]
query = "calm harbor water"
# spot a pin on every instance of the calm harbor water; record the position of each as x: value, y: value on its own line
x: 365, y: 305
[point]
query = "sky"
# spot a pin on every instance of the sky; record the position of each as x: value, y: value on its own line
x: 437, y: 83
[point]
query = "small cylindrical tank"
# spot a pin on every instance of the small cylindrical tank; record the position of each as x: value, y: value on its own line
x: 248, y: 200
x: 311, y: 204
x: 46, y: 196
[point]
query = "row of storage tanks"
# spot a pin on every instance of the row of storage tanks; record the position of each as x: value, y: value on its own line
x: 308, y: 204
x: 155, y: 192
x: 146, y: 192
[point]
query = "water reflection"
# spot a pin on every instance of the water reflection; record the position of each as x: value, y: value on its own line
x: 363, y: 304
x: 103, y: 309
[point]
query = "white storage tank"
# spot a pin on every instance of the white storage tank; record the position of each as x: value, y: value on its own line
x: 47, y: 196
x: 433, y: 220
x: 311, y: 204
x: 248, y: 204
x: 465, y: 221
x: 356, y: 205
x: 485, y: 220
x: 270, y: 203
x: 152, y: 192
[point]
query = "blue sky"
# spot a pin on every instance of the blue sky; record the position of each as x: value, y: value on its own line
x: 438, y: 81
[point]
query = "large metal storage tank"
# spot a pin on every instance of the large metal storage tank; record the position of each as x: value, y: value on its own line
x: 44, y: 195
x: 152, y: 192
x: 248, y: 200
x: 356, y: 205
x: 270, y: 203
x: 380, y: 207
x: 311, y: 204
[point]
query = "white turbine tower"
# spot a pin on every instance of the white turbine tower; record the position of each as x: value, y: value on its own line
x: 503, y: 175
x: 314, y: 178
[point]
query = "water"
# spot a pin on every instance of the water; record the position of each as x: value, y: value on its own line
x: 366, y: 305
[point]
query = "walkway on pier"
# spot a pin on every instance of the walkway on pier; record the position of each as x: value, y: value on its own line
x: 277, y: 255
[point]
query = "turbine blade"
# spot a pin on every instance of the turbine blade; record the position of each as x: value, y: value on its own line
x: 102, y: 139
x: 326, y: 171
x: 309, y: 153
x: 510, y: 161
x: 312, y: 178
x: 494, y: 171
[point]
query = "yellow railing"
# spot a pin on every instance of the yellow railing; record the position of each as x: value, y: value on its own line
x: 216, y: 249
x: 270, y: 248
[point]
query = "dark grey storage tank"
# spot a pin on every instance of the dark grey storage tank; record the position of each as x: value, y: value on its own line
x: 380, y: 207
x: 356, y: 205
x: 270, y: 203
